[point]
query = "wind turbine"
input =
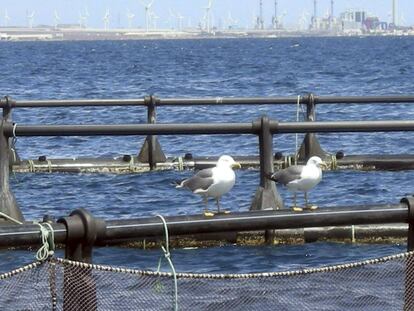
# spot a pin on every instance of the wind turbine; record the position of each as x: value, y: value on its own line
x: 85, y: 17
x: 180, y: 21
x: 6, y: 18
x: 130, y: 17
x: 147, y: 8
x: 154, y: 18
x: 106, y: 19
x: 207, y: 16
x: 30, y: 19
x: 82, y: 20
x: 56, y: 18
x: 179, y: 18
x: 303, y: 20
x: 230, y: 21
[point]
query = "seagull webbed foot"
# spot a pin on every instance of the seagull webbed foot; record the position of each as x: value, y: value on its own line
x: 297, y: 209
x: 311, y: 207
x: 207, y: 213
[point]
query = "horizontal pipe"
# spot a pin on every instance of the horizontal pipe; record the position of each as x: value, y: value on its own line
x: 391, y: 99
x: 130, y: 129
x: 256, y: 220
x: 207, y: 128
x: 342, y: 126
x: 29, y: 234
x: 74, y: 103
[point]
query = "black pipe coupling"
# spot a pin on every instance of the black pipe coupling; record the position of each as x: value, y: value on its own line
x: 409, y: 201
x: 312, y: 99
x: 83, y: 230
x: 9, y: 103
x: 259, y: 125
x: 151, y: 100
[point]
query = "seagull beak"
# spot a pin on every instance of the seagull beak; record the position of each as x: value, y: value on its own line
x: 324, y: 165
x: 236, y: 165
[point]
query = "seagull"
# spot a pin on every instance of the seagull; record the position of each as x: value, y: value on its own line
x: 301, y: 178
x: 213, y: 182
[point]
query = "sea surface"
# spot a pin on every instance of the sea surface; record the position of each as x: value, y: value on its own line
x: 205, y: 68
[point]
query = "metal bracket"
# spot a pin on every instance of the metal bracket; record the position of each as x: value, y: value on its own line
x: 151, y: 151
x: 409, y: 201
x: 83, y: 230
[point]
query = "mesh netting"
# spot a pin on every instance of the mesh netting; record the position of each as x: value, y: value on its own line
x: 381, y: 284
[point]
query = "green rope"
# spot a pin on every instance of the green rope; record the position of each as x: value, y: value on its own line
x: 334, y: 162
x: 131, y: 164
x: 180, y: 163
x: 49, y: 166
x: 48, y: 242
x: 167, y: 256
x: 10, y: 218
x: 31, y: 166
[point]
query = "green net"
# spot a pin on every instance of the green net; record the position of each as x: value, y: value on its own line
x: 380, y: 284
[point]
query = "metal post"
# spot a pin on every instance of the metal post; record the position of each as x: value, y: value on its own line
x: 310, y: 146
x: 266, y: 196
x: 151, y: 152
x: 8, y: 204
x: 409, y: 269
x: 79, y: 286
x: 7, y: 113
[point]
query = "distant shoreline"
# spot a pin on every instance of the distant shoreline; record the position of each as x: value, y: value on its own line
x: 73, y: 34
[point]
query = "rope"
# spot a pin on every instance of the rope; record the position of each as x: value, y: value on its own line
x: 31, y: 166
x: 167, y: 256
x: 49, y: 166
x: 10, y: 218
x: 180, y: 163
x: 297, y: 134
x: 13, y: 143
x: 353, y: 233
x: 48, y: 242
x: 131, y: 164
x: 334, y: 162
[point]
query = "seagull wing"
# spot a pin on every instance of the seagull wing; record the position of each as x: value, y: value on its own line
x: 200, y: 181
x: 287, y: 175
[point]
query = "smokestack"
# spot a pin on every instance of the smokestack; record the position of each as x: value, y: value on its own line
x: 331, y: 17
x: 314, y: 22
x: 261, y: 23
x: 275, y: 19
x: 394, y: 12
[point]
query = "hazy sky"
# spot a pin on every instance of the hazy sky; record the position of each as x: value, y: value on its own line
x: 192, y: 11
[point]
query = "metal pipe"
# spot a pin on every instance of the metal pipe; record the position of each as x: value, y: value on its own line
x: 75, y: 103
x: 29, y: 234
x: 342, y: 126
x: 207, y: 128
x: 288, y: 100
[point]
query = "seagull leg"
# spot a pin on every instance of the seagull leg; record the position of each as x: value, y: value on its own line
x: 207, y: 213
x: 295, y: 207
x: 218, y: 207
x: 310, y: 207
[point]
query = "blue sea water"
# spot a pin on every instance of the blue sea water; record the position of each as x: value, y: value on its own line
x: 204, y: 68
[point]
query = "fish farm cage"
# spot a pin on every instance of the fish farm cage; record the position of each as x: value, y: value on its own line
x: 75, y: 283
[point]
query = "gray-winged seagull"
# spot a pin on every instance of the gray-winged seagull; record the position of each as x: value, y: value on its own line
x: 213, y: 182
x: 301, y: 178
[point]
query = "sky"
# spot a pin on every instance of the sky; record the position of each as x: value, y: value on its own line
x: 242, y: 11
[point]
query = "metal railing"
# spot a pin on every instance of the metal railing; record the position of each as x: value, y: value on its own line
x: 151, y: 152
x: 266, y: 195
x: 80, y: 230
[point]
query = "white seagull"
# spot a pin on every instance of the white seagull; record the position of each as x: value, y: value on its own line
x: 213, y: 182
x: 301, y: 178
